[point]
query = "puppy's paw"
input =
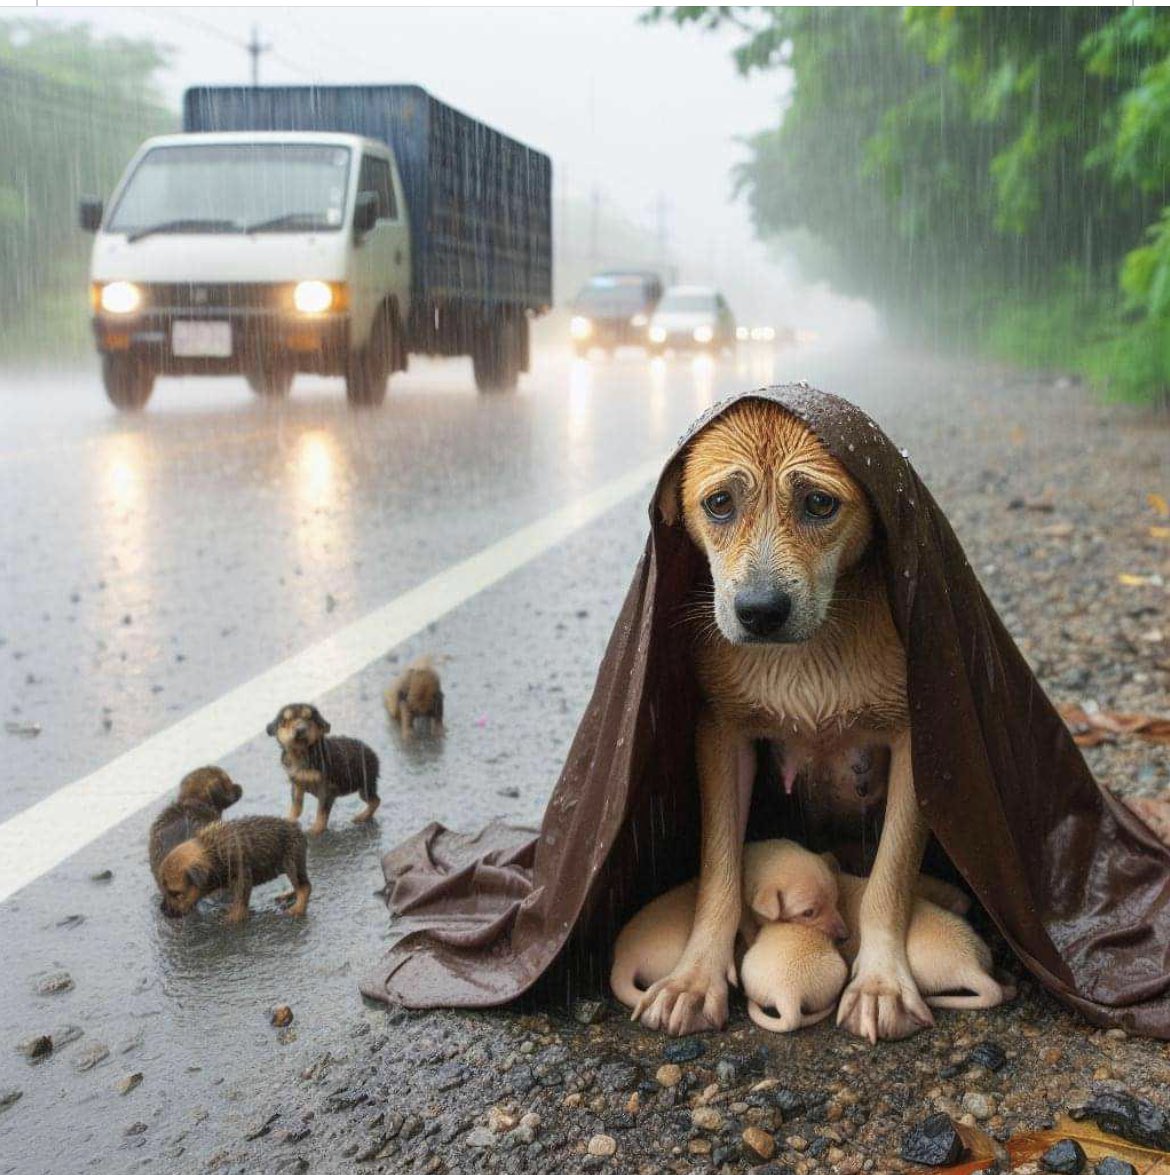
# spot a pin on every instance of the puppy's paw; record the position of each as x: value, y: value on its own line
x: 882, y: 1002
x: 317, y: 827
x: 693, y: 998
x: 237, y: 914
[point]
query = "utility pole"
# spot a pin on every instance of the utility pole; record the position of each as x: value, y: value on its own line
x: 255, y: 48
x: 594, y: 218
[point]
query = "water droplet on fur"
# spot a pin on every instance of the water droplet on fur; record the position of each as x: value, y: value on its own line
x: 850, y: 448
x: 905, y: 453
x: 906, y: 573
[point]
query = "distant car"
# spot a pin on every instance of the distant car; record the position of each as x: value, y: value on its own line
x: 613, y: 310
x: 691, y: 318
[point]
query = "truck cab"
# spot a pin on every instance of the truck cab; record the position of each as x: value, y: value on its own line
x: 262, y: 254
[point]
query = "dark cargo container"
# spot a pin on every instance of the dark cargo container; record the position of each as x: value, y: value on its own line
x: 479, y: 203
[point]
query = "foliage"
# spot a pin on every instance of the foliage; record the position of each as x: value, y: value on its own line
x: 996, y: 172
x: 72, y: 111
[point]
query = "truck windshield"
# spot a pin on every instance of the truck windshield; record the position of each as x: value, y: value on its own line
x: 236, y: 187
x: 687, y: 301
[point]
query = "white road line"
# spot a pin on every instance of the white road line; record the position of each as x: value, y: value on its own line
x: 39, y: 838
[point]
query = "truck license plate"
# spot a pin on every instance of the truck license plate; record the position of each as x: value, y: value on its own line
x: 211, y: 340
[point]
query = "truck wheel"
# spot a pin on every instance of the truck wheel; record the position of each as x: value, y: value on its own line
x: 496, y: 358
x: 128, y: 382
x: 269, y: 381
x: 368, y: 370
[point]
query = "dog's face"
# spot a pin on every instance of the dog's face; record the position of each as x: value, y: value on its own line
x: 778, y: 517
x: 789, y: 884
x: 210, y: 785
x: 182, y: 878
x: 298, y: 726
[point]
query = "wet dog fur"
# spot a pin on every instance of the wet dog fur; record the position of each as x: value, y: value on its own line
x: 322, y: 766
x: 794, y: 645
x: 204, y: 794
x: 416, y: 693
x: 235, y: 855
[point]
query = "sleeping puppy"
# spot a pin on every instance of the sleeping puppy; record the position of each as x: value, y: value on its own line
x: 950, y: 963
x: 792, y: 976
x: 416, y: 693
x: 235, y: 855
x: 203, y: 795
x: 798, y: 649
x: 323, y: 767
x: 783, y: 882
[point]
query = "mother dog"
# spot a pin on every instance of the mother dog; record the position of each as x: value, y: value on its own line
x: 798, y: 647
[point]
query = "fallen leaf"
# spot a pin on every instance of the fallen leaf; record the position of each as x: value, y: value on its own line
x: 1153, y: 811
x: 1131, y: 580
x: 1058, y: 530
x: 1091, y: 727
x: 1160, y: 532
x: 1159, y: 505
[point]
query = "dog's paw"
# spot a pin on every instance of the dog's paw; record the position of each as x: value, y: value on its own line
x: 882, y: 1002
x: 691, y: 999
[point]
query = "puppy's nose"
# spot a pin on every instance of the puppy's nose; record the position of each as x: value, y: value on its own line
x: 762, y: 612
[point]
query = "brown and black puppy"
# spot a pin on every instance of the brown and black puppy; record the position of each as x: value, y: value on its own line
x: 323, y: 767
x: 416, y: 693
x: 796, y: 647
x: 203, y: 795
x: 235, y: 855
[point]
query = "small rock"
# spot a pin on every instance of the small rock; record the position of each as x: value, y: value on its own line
x: 668, y: 1076
x: 706, y: 1118
x: 726, y: 1072
x: 602, y: 1146
x: 1112, y: 1166
x: 481, y: 1136
x: 36, y: 1047
x: 66, y: 1034
x: 130, y: 1082
x: 259, y: 1127
x: 790, y: 1103
x: 10, y: 1096
x: 104, y: 875
x: 499, y: 1121
x: 92, y: 1056
x: 509, y: 793
x: 989, y: 1055
x: 55, y: 984
x: 71, y: 921
x: 979, y: 1105
x: 281, y: 1016
x: 531, y: 1121
x: 589, y: 1011
x: 135, y: 1128
x: 699, y: 1146
x: 690, y: 1048
x: 794, y: 1142
x: 759, y: 1143
x: 933, y: 1143
x: 1066, y: 1157
x: 1132, y: 1118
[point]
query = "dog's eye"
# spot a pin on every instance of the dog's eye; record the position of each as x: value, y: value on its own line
x: 719, y: 506
x: 820, y: 505
x: 809, y: 914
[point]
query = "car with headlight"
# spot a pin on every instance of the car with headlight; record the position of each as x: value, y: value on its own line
x: 691, y: 318
x: 613, y: 310
x: 331, y: 229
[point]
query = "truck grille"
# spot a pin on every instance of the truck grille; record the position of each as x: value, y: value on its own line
x: 198, y: 297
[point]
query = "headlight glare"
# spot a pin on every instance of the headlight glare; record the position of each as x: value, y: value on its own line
x: 703, y: 334
x: 657, y: 334
x: 580, y: 327
x: 120, y: 297
x: 639, y: 320
x: 313, y: 297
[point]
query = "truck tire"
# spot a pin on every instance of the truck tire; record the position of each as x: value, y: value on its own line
x: 128, y: 382
x: 270, y: 381
x: 497, y: 357
x: 368, y: 370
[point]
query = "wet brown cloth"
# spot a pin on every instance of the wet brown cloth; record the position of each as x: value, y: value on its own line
x: 1077, y: 884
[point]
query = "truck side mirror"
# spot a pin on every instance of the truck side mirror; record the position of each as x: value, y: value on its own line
x: 365, y: 213
x: 90, y: 214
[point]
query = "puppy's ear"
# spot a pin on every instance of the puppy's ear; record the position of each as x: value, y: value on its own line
x: 832, y: 862
x: 670, y: 494
x: 196, y: 876
x: 765, y: 903
x: 271, y: 728
x: 325, y: 727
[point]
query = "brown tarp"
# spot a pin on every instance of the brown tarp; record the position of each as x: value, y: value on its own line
x: 1077, y: 884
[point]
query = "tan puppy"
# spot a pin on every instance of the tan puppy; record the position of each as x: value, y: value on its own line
x: 416, y: 693
x: 203, y: 795
x: 798, y: 649
x: 235, y: 855
x: 782, y: 881
x: 794, y: 970
x: 950, y: 963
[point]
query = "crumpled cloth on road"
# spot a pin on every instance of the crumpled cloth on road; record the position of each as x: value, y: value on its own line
x: 1076, y: 883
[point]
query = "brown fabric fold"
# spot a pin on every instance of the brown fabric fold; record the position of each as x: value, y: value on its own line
x: 1077, y: 884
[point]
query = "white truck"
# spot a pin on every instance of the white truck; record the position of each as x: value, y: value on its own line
x: 327, y: 229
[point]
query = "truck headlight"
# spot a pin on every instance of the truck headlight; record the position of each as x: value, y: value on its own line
x: 119, y: 297
x: 315, y: 297
x: 703, y: 334
x: 580, y: 328
x: 639, y: 321
x: 658, y: 334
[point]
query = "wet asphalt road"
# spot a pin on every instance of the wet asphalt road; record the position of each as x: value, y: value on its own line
x: 155, y: 562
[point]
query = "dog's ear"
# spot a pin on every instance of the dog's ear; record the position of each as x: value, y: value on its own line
x: 272, y: 727
x: 766, y: 903
x: 325, y: 727
x: 832, y: 862
x: 670, y: 494
x: 196, y: 876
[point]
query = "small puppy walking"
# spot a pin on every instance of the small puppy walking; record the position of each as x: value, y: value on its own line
x: 203, y: 795
x: 324, y: 767
x: 235, y: 855
x: 416, y: 693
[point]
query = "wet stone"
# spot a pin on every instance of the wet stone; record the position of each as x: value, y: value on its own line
x: 588, y: 1011
x: 521, y: 1079
x: 299, y: 1131
x: 129, y: 1083
x: 933, y: 1143
x: 102, y: 876
x: 480, y: 1137
x: 55, y: 984
x: 66, y: 1034
x: 817, y: 1147
x: 602, y: 1146
x: 451, y: 1076
x: 9, y: 1097
x: 758, y: 1143
x: 36, y: 1047
x: 1065, y: 1158
x: 260, y: 1126
x: 619, y: 1120
x: 281, y: 1016
x: 1112, y: 1166
x: 135, y: 1128
x: 668, y: 1076
x: 790, y: 1103
x: 94, y: 1055
x: 680, y: 1051
x: 1132, y: 1118
x: 618, y: 1077
x: 345, y: 1099
x: 989, y: 1055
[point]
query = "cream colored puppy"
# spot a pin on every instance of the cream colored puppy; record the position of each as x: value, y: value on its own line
x: 950, y: 963
x: 796, y: 972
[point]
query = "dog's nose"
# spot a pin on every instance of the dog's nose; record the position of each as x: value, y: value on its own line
x: 763, y: 612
